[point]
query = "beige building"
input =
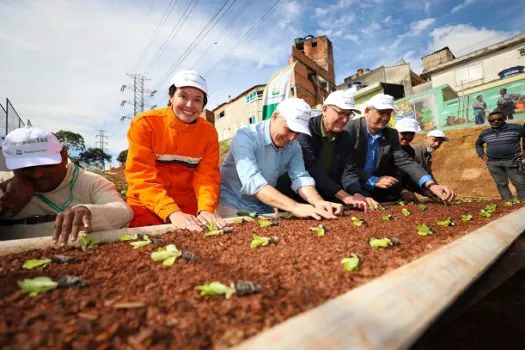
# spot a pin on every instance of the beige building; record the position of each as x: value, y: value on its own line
x: 476, y: 68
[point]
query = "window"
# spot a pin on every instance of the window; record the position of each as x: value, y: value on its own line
x: 314, y: 44
x: 469, y: 74
x: 522, y: 52
x: 251, y: 97
x: 221, y: 115
x: 260, y: 95
x: 253, y: 119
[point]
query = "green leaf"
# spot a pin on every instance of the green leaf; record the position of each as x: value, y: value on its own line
x: 405, y: 212
x: 516, y: 201
x: 424, y: 230
x: 383, y: 242
x: 401, y: 203
x: 33, y: 263
x: 86, y: 242
x: 37, y: 285
x: 320, y: 230
x: 213, y: 233
x: 264, y: 223
x: 253, y: 214
x: 446, y: 223
x: 466, y: 218
x: 351, y: 263
x: 358, y: 222
x: 485, y: 213
x: 167, y: 253
x: 132, y: 237
x: 140, y: 244
x: 215, y: 288
x: 388, y: 217
x: 211, y: 226
x: 259, y: 241
x: 491, y: 208
x: 423, y: 207
x: 457, y: 201
x: 169, y: 261
x: 380, y: 207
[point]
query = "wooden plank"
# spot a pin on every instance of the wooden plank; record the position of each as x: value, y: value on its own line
x: 392, y: 311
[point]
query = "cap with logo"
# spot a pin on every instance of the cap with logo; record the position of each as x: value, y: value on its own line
x: 407, y: 125
x: 382, y: 101
x: 297, y: 114
x: 342, y: 99
x: 439, y: 134
x: 26, y: 147
x: 191, y: 78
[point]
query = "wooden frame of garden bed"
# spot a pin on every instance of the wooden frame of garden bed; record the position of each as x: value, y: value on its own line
x: 389, y: 312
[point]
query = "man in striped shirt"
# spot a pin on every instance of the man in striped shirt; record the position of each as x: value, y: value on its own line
x: 502, y: 150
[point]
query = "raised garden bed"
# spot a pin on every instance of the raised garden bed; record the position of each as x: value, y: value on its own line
x: 132, y: 300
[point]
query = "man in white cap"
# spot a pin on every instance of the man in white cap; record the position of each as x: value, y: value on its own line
x: 431, y: 143
x: 327, y: 153
x: 62, y: 199
x: 378, y: 154
x: 259, y: 154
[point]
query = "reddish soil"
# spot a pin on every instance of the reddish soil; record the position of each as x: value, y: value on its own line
x: 300, y: 272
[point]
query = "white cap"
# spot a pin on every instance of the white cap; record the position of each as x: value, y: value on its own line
x: 184, y: 78
x: 26, y: 147
x: 297, y: 114
x: 439, y: 134
x: 407, y: 125
x: 382, y: 101
x: 342, y: 99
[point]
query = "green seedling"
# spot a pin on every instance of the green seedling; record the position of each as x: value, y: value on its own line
x: 261, y: 241
x: 216, y: 288
x: 457, y: 201
x: 37, y: 285
x: 491, y: 208
x: 380, y: 207
x: 388, y: 217
x: 383, y: 242
x: 320, y: 230
x: 516, y: 201
x: 132, y: 237
x: 358, y: 222
x: 267, y: 223
x: 508, y: 204
x: 86, y: 242
x: 422, y: 207
x: 220, y: 232
x: 424, y: 230
x: 405, y: 212
x: 252, y: 214
x: 485, y: 214
x: 139, y: 244
x: 167, y: 255
x: 351, y: 263
x: 34, y: 263
x: 466, y: 218
x: 401, y: 203
x: 446, y: 223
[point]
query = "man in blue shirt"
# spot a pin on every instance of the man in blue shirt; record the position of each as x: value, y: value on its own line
x: 259, y: 154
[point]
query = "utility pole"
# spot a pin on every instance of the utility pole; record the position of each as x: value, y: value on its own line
x: 138, y: 90
x: 101, y: 143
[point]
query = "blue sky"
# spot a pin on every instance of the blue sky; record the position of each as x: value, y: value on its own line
x: 62, y: 63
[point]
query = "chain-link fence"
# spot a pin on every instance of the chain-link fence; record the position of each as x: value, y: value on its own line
x: 10, y: 119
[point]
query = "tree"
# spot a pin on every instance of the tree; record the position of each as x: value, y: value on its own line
x: 122, y: 156
x: 72, y: 141
x: 94, y: 157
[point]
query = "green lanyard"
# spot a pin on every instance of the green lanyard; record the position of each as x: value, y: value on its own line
x: 61, y: 208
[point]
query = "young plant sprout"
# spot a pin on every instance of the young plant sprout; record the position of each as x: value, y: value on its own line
x: 491, y: 208
x: 320, y: 230
x: 252, y: 214
x: 446, y: 223
x: 217, y: 232
x: 466, y: 218
x: 424, y: 230
x: 383, y: 242
x: 401, y: 203
x: 167, y: 255
x: 86, y: 242
x: 380, y: 207
x: 484, y: 213
x: 422, y: 207
x: 388, y: 217
x: 457, y: 201
x: 351, y: 263
x: 261, y: 241
x: 132, y: 237
x: 139, y: 244
x: 240, y: 288
x: 34, y: 263
x: 267, y: 223
x: 405, y: 212
x: 358, y: 222
x: 37, y: 285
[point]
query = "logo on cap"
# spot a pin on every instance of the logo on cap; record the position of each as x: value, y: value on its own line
x: 19, y: 152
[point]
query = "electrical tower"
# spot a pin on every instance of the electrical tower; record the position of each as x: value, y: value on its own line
x: 101, y: 144
x: 137, y: 88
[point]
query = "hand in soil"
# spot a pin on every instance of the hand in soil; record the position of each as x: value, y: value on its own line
x: 303, y: 211
x: 329, y: 207
x: 183, y: 221
x: 205, y: 217
x: 358, y: 201
x: 69, y: 223
x: 444, y: 193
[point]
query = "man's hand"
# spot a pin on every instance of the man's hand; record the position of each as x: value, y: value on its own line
x: 69, y: 223
x: 306, y: 210
x: 205, y: 217
x: 16, y: 193
x: 360, y: 202
x: 408, y: 196
x: 444, y: 193
x: 330, y: 207
x: 386, y: 182
x: 183, y: 221
x: 485, y: 158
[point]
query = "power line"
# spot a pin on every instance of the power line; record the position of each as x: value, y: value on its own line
x: 484, y: 40
x: 137, y: 87
x: 101, y: 143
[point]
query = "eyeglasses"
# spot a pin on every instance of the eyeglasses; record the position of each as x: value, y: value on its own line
x: 343, y: 114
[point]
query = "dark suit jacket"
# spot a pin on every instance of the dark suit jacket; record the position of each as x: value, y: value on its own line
x: 390, y: 155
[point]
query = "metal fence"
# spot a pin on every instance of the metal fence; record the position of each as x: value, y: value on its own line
x: 10, y: 119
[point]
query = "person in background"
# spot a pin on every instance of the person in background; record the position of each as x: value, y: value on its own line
x: 47, y: 194
x: 172, y: 166
x: 479, y: 107
x: 259, y: 154
x: 407, y: 129
x: 504, y: 145
x: 506, y: 104
x: 423, y: 151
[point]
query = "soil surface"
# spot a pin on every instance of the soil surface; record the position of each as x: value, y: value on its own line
x: 134, y: 302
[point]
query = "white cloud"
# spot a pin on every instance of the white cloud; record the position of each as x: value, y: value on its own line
x: 428, y: 4
x: 462, y: 5
x: 388, y: 20
x: 13, y: 40
x: 418, y: 26
x: 352, y: 37
x: 333, y: 8
x: 291, y: 11
x: 371, y: 28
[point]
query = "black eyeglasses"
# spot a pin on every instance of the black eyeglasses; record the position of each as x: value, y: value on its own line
x: 343, y: 114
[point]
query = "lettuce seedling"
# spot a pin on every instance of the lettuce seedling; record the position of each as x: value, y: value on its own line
x: 383, y: 242
x: 446, y: 223
x: 37, y: 285
x: 491, y: 208
x: 405, y: 212
x: 380, y: 207
x: 457, y: 201
x: 34, y: 263
x: 261, y: 241
x: 132, y: 237
x: 401, y: 203
x: 145, y: 241
x: 424, y: 230
x: 220, y: 232
x: 508, y: 204
x: 388, y: 217
x: 423, y: 207
x: 216, y: 288
x: 267, y: 223
x: 358, y: 222
x: 351, y: 263
x: 466, y: 218
x: 485, y: 213
x: 516, y: 201
x: 167, y: 255
x: 320, y: 230
x: 86, y: 242
x: 252, y: 214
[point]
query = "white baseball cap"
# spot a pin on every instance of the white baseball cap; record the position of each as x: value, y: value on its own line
x: 407, y: 125
x: 297, y: 114
x: 382, y: 101
x: 26, y: 147
x: 438, y: 133
x: 184, y: 78
x: 342, y: 99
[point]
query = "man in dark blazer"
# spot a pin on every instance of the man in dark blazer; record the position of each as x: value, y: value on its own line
x: 377, y: 153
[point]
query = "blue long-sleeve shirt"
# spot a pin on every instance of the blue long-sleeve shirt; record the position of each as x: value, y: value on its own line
x: 254, y: 162
x: 502, y: 143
